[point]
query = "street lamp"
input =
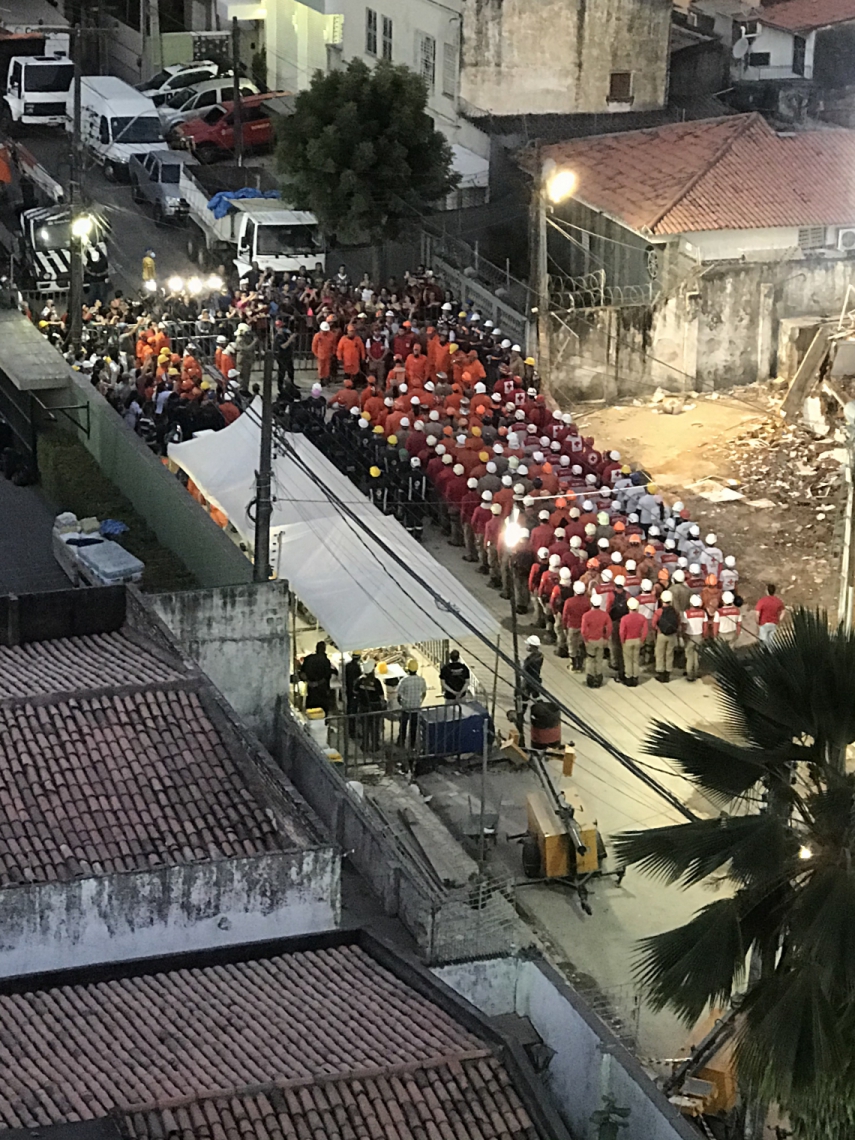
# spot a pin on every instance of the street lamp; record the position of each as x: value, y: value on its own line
x: 214, y: 283
x: 175, y: 284
x: 513, y: 535
x: 554, y: 184
x: 81, y: 227
x: 194, y: 286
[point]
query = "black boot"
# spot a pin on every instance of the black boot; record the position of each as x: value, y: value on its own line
x: 562, y: 651
x: 599, y: 683
x: 591, y: 682
x: 661, y: 677
x: 666, y: 677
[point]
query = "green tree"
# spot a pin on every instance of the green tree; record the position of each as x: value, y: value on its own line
x: 361, y: 153
x: 784, y: 937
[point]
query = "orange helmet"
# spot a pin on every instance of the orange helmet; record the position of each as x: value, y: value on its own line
x: 649, y: 549
x: 592, y: 564
x: 635, y: 539
x: 560, y: 503
x: 711, y: 580
x: 619, y: 526
x: 663, y: 576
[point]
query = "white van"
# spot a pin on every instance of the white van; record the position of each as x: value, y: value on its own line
x: 116, y: 121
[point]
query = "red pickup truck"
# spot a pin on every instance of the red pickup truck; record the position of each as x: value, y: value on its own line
x: 213, y: 135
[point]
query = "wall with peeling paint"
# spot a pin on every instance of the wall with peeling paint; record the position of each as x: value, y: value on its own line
x: 110, y: 918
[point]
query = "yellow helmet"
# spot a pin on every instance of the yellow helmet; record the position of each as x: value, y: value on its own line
x: 651, y: 488
x: 378, y: 430
x: 374, y: 472
x: 392, y: 440
x: 412, y: 665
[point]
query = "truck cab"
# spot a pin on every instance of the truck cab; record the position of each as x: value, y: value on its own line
x: 37, y: 88
x: 46, y: 251
x: 275, y: 237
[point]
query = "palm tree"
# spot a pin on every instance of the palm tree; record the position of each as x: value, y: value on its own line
x: 784, y: 937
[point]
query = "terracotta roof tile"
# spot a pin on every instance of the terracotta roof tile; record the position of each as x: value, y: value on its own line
x: 465, y: 1100
x: 715, y: 174
x: 83, y: 790
x: 805, y: 15
x: 78, y: 1052
x: 71, y: 664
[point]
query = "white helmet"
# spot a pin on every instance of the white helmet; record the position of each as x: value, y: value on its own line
x: 632, y: 604
x: 325, y: 326
x: 554, y: 560
x: 695, y: 599
x: 606, y: 575
x: 646, y: 585
x: 578, y: 587
x: 595, y: 599
x: 631, y: 564
x: 543, y: 552
x: 730, y: 562
x: 532, y: 642
x: 564, y: 574
x: 727, y: 598
x: 666, y: 596
x: 679, y: 576
x: 694, y: 569
x: 710, y: 540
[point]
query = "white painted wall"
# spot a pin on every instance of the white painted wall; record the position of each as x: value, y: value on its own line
x: 773, y: 243
x: 110, y: 918
x: 239, y: 637
x: 776, y: 41
x: 589, y: 1062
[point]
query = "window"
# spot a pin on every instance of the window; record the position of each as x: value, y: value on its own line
x: 758, y: 59
x: 370, y: 31
x: 387, y: 37
x: 812, y: 237
x: 103, y: 131
x: 208, y: 99
x: 426, y: 58
x: 449, y: 70
x: 799, y: 47
x: 620, y: 87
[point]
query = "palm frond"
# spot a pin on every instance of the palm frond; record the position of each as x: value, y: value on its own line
x: 822, y: 928
x: 756, y: 848
x: 742, y: 694
x: 687, y: 968
x: 723, y: 770
x: 789, y: 1038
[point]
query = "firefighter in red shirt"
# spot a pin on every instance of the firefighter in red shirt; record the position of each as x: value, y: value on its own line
x: 538, y: 568
x: 596, y: 631
x: 561, y: 593
x: 480, y: 517
x: 575, y: 608
x: 548, y: 582
x: 468, y: 503
x: 493, y: 545
x: 694, y: 628
x: 633, y: 634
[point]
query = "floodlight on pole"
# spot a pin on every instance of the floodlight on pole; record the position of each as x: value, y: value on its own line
x: 194, y: 286
x: 175, y: 284
x: 81, y: 227
x: 214, y: 282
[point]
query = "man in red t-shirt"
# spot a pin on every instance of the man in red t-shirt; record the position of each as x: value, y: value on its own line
x: 769, y: 610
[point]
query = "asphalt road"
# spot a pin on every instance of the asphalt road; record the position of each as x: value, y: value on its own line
x: 132, y: 230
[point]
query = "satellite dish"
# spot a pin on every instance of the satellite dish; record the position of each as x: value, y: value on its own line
x: 740, y: 48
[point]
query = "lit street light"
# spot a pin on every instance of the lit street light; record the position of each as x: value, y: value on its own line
x: 214, y: 283
x: 81, y: 227
x: 511, y: 538
x: 195, y: 286
x: 559, y: 183
x: 553, y: 185
x: 175, y: 284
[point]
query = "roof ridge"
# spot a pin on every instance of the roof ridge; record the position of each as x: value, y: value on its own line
x: 285, y: 1084
x: 748, y: 121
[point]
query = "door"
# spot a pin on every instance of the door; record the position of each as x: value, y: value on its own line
x: 246, y: 241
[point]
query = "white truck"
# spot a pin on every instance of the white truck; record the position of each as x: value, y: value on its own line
x: 116, y: 121
x: 265, y: 231
x: 34, y: 65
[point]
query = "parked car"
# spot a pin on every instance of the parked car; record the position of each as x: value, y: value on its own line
x: 213, y: 135
x: 156, y: 178
x: 191, y: 102
x: 176, y: 77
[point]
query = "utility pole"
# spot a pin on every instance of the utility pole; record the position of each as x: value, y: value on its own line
x: 261, y: 570
x: 236, y: 89
x: 75, y: 292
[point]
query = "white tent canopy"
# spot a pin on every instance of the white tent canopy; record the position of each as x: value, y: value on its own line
x: 359, y: 594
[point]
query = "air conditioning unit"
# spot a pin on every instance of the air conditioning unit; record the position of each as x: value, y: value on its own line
x: 846, y: 240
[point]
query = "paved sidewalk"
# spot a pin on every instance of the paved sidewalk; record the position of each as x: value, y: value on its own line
x: 601, y: 947
x: 27, y: 564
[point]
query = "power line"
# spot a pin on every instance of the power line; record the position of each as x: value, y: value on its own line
x: 443, y: 603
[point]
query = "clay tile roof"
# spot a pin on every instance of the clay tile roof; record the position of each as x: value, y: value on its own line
x: 341, y: 1037
x: 471, y: 1098
x: 118, y: 783
x: 733, y: 173
x: 72, y: 664
x: 805, y: 15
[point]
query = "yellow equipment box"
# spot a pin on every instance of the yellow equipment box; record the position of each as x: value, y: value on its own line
x: 551, y: 836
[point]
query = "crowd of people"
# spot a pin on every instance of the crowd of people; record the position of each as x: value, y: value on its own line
x: 437, y: 413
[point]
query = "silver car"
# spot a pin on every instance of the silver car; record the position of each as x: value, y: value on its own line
x: 195, y: 101
x: 156, y: 178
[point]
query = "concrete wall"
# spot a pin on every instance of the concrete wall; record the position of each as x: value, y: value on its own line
x: 51, y: 926
x: 239, y: 637
x: 176, y: 518
x: 589, y: 1062
x: 714, y: 331
x: 297, y: 35
x: 556, y: 56
x: 779, y: 44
